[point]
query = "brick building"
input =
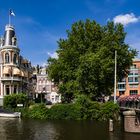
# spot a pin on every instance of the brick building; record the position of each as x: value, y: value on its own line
x: 131, y: 84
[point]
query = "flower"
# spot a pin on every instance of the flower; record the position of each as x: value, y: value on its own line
x: 130, y: 98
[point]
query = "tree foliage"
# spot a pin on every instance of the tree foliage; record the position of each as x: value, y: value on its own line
x: 11, y: 101
x: 85, y: 63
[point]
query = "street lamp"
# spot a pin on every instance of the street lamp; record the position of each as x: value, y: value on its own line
x: 43, y: 90
x: 115, y: 81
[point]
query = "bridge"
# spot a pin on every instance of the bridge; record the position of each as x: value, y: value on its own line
x: 129, y: 108
x: 131, y: 117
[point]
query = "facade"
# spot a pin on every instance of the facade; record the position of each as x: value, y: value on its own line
x: 15, y: 71
x: 46, y: 87
x: 131, y: 84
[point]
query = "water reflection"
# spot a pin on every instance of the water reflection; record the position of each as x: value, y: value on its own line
x: 16, y: 129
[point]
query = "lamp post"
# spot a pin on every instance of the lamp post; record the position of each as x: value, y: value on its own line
x: 115, y: 82
x: 41, y: 96
x: 43, y: 90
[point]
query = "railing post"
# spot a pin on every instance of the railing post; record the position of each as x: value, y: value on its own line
x: 110, y: 125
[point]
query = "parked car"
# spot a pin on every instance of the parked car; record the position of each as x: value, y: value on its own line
x: 48, y: 102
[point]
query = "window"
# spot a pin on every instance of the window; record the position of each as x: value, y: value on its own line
x: 133, y: 79
x: 15, y: 89
x: 133, y: 92
x: 130, y: 73
x: 136, y: 79
x: 15, y: 59
x: 7, y: 90
x: 130, y: 79
x: 56, y: 98
x: 121, y: 86
x: 135, y: 73
x: 6, y: 58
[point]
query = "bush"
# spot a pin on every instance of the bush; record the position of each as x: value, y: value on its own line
x: 82, y: 109
x: 109, y: 110
x: 64, y: 111
x: 38, y: 111
x: 11, y: 101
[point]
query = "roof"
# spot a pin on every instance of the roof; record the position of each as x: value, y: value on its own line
x: 136, y: 59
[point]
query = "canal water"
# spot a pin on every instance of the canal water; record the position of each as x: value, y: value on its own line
x: 17, y: 129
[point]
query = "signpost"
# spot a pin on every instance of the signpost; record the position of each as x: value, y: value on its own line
x: 20, y: 105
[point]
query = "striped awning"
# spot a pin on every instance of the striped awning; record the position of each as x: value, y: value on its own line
x: 6, y: 70
x: 16, y: 71
x: 22, y: 73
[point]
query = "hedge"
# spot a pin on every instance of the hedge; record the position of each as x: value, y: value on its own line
x: 11, y: 101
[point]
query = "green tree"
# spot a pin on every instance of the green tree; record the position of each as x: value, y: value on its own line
x: 85, y: 63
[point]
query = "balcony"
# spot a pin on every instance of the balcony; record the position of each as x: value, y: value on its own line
x: 11, y: 79
x: 121, y: 86
x: 133, y: 82
x: 133, y: 75
x: 121, y: 89
x: 123, y: 82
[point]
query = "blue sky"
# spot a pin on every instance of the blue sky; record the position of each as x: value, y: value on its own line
x: 40, y: 23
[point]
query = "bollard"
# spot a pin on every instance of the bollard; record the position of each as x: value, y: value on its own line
x: 110, y: 125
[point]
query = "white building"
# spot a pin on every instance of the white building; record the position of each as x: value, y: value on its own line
x: 15, y: 71
x: 46, y: 87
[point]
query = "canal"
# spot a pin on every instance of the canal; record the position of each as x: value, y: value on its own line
x: 17, y: 129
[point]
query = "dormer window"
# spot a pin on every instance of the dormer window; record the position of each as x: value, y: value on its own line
x: 6, y: 58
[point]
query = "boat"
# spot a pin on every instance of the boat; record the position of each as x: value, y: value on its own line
x: 10, y: 115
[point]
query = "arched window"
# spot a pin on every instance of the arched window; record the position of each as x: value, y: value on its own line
x: 15, y: 59
x: 6, y: 58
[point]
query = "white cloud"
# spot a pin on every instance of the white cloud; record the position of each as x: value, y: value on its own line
x: 126, y: 19
x: 53, y: 55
